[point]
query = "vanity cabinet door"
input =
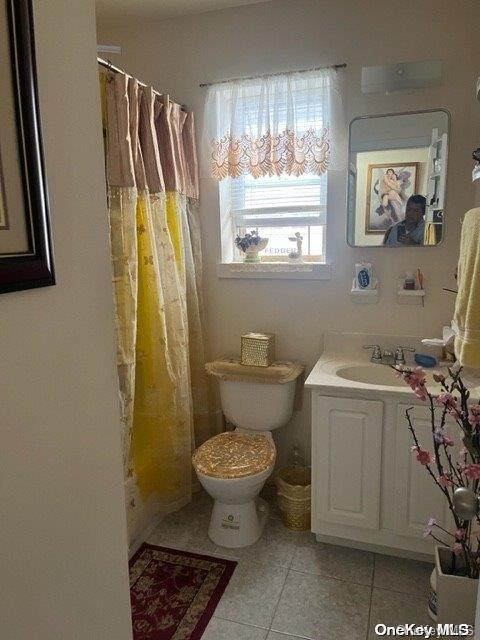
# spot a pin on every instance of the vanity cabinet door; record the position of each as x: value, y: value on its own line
x: 347, y: 450
x: 417, y: 498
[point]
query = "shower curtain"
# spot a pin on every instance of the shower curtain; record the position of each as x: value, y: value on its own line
x: 152, y: 180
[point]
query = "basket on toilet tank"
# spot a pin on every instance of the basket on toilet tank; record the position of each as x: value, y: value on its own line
x: 294, y: 497
x: 258, y: 349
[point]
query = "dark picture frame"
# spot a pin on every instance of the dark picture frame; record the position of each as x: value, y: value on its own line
x: 32, y: 265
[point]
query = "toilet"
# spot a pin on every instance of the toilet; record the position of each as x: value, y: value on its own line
x: 233, y: 466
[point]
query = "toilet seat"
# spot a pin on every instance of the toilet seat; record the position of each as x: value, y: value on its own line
x: 234, y: 455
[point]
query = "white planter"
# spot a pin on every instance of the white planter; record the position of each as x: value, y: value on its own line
x: 456, y: 595
x: 251, y: 254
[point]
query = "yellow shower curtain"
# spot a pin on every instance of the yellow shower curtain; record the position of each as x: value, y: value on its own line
x: 153, y: 190
x: 162, y: 436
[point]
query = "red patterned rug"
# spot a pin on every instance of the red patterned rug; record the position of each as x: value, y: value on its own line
x: 174, y: 593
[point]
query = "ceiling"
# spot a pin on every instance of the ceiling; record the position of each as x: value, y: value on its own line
x: 162, y: 9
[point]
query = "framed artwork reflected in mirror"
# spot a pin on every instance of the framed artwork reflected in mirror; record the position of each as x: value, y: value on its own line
x: 388, y: 188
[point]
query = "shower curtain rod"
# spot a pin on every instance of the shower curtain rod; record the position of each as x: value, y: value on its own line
x: 111, y: 67
x: 280, y: 73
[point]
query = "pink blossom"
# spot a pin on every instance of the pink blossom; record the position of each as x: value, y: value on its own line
x: 415, y: 378
x: 448, y: 442
x: 445, y: 480
x: 421, y: 392
x: 443, y: 399
x: 472, y: 471
x: 474, y: 416
x: 450, y: 403
x: 474, y: 419
x: 423, y: 456
x: 460, y: 534
x: 457, y: 548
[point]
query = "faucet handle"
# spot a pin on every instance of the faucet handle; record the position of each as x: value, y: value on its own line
x: 400, y: 355
x: 376, y: 352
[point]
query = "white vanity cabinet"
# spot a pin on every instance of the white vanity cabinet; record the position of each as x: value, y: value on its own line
x: 368, y: 490
x: 347, y: 452
x: 416, y: 495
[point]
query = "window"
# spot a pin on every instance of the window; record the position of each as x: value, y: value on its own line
x: 276, y: 207
x: 272, y: 140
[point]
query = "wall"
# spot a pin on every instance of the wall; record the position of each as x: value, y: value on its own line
x: 62, y: 532
x: 176, y: 55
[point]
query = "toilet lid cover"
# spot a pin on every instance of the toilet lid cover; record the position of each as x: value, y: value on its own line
x: 234, y: 455
x: 232, y: 369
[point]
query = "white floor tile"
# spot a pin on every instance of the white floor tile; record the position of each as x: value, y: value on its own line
x: 318, y: 607
x: 287, y: 586
x: 333, y: 561
x: 397, y: 608
x: 219, y: 629
x: 276, y: 635
x: 400, y: 574
x: 186, y: 529
x: 252, y: 594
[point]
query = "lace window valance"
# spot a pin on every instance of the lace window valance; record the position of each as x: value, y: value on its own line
x: 290, y: 124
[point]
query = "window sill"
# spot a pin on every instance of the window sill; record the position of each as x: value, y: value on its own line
x: 280, y: 270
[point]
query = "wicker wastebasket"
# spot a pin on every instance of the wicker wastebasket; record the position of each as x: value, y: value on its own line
x: 293, y: 493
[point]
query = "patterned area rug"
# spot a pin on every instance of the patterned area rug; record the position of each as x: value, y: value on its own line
x: 174, y: 593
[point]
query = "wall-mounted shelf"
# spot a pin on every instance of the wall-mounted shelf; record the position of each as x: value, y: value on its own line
x: 410, y: 296
x: 364, y: 296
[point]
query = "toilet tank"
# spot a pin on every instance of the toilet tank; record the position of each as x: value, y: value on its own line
x: 257, y: 406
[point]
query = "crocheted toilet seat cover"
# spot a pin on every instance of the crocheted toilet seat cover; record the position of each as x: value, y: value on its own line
x: 234, y: 455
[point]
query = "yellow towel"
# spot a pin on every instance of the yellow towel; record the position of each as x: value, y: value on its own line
x: 466, y: 320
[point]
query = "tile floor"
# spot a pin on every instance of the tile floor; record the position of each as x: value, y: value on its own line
x: 287, y: 586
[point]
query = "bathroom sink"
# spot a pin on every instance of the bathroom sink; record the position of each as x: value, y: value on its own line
x: 371, y: 374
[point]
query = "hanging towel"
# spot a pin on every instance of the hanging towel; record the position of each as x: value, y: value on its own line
x: 466, y: 320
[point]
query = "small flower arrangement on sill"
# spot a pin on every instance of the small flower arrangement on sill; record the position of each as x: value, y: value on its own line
x: 456, y: 473
x: 251, y: 244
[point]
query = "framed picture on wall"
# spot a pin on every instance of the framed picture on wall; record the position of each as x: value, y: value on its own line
x: 388, y: 188
x: 25, y: 245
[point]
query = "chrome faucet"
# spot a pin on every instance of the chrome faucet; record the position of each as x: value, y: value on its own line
x: 387, y: 357
x: 399, y: 357
x: 376, y: 356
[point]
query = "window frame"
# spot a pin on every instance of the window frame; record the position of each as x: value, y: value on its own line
x: 236, y: 222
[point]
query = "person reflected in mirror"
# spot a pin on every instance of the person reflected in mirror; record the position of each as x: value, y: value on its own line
x: 411, y: 230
